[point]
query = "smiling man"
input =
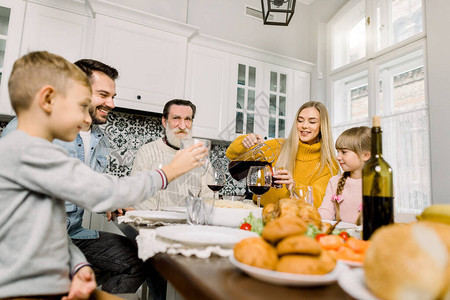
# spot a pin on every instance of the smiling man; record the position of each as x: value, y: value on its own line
x: 177, y: 119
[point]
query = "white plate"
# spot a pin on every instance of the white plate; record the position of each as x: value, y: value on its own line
x: 180, y: 209
x: 342, y: 225
x: 282, y: 278
x: 353, y: 283
x: 353, y: 264
x: 352, y: 229
x: 156, y: 215
x: 198, y: 235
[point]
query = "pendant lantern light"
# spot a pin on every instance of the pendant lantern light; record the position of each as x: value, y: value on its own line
x: 277, y: 12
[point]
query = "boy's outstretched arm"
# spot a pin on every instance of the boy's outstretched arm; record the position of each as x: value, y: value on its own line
x: 185, y: 160
x: 83, y: 284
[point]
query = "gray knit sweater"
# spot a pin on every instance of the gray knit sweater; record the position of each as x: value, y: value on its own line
x: 151, y: 156
x: 36, y: 177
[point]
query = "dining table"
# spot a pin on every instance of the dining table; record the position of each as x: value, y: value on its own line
x: 216, y: 278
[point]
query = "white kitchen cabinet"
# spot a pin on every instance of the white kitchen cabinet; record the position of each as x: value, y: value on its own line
x: 151, y: 62
x: 264, y: 97
x: 207, y: 86
x: 59, y: 31
x: 11, y: 20
x: 247, y: 103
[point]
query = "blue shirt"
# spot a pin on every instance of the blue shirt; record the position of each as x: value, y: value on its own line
x: 99, y: 151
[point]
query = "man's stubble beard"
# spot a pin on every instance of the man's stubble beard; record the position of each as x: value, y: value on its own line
x: 95, y: 119
x: 173, y: 139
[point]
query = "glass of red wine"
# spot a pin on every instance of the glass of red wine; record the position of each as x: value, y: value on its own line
x: 259, y: 180
x: 216, y: 182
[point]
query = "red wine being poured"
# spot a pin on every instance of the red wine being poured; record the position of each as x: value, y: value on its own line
x: 215, y: 187
x: 239, y: 168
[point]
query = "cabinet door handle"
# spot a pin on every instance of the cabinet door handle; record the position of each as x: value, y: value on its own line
x: 138, y: 97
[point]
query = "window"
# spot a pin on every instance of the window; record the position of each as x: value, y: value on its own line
x: 245, y: 99
x: 397, y: 20
x: 277, y: 105
x: 385, y: 78
x: 349, y: 36
x: 5, y: 13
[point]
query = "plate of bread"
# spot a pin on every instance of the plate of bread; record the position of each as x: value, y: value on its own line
x: 282, y: 278
x: 284, y: 254
x: 403, y: 261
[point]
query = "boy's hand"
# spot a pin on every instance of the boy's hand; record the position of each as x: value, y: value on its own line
x: 185, y: 160
x: 83, y: 284
x: 112, y: 215
x: 251, y: 140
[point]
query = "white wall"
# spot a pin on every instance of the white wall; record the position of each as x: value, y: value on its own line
x: 321, y: 12
x: 171, y: 9
x: 225, y: 19
x: 438, y: 56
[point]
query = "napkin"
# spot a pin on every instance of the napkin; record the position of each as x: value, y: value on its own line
x: 149, y: 244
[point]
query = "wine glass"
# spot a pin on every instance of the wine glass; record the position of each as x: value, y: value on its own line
x: 304, y: 192
x: 259, y: 180
x: 157, y: 196
x: 216, y: 182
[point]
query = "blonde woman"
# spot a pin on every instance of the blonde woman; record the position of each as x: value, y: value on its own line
x: 307, y: 153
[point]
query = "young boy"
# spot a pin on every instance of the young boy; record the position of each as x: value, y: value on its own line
x: 51, y: 98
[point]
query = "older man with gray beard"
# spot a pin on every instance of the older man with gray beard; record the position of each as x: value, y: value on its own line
x: 177, y: 119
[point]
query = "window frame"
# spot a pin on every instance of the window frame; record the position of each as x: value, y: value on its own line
x: 372, y: 63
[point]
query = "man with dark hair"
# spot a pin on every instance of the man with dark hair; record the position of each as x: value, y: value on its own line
x: 113, y: 257
x: 177, y: 119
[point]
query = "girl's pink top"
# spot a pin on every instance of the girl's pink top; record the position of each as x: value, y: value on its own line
x: 350, y: 200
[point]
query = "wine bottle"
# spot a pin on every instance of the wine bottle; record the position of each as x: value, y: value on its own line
x: 377, y: 186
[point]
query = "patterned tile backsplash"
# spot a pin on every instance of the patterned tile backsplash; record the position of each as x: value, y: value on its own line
x: 128, y: 132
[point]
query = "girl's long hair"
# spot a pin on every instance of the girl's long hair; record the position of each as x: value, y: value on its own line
x: 356, y: 139
x: 288, y: 152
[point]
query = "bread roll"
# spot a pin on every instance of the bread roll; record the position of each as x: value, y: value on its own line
x: 283, y: 227
x: 307, y: 264
x: 256, y: 252
x: 406, y: 262
x: 299, y: 244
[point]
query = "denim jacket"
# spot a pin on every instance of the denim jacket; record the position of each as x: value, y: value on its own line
x: 99, y: 151
x: 98, y: 162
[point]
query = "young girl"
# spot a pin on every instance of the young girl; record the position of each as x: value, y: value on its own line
x: 343, y: 196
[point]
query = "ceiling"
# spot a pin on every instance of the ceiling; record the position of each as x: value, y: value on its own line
x: 307, y: 2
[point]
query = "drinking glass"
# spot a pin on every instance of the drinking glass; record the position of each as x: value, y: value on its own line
x: 216, y: 182
x: 259, y: 180
x: 276, y: 185
x: 188, y: 142
x: 158, y: 196
x: 206, y: 143
x: 198, y: 210
x: 304, y: 192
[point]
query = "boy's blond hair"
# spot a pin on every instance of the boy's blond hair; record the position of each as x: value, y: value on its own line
x: 35, y: 70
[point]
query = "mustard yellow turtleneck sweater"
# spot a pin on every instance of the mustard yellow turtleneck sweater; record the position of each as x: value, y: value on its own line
x: 307, y: 166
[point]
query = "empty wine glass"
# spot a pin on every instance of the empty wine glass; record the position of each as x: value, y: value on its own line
x: 304, y: 192
x: 259, y: 180
x: 216, y: 182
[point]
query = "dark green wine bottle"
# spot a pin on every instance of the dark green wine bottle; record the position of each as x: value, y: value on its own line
x: 377, y: 186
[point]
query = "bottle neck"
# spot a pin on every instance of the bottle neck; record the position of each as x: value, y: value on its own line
x: 377, y: 148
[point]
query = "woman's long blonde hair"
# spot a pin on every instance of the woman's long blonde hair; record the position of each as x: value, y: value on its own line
x: 288, y: 152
